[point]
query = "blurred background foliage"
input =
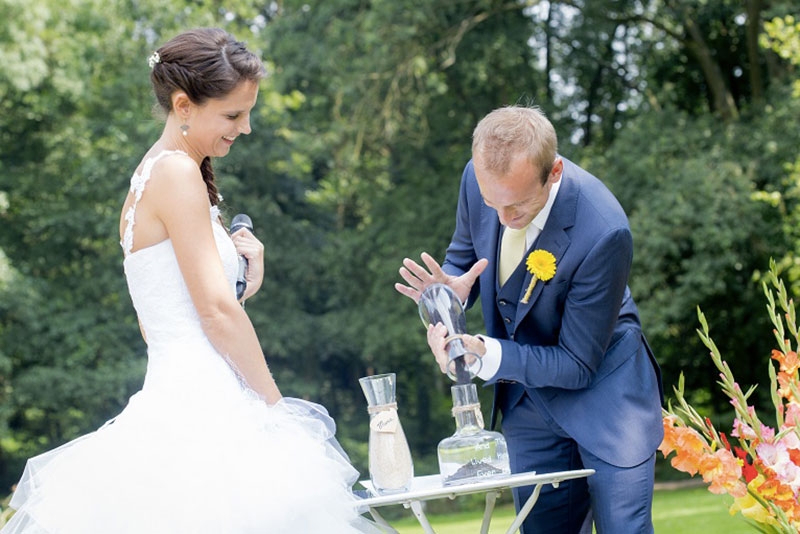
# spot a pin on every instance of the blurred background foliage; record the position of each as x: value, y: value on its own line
x: 687, y: 109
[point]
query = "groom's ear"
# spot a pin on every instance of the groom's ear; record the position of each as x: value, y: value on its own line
x: 557, y: 170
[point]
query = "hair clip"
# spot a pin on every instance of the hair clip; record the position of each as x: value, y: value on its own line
x: 155, y: 58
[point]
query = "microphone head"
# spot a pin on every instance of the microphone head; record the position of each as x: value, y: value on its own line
x: 241, y: 221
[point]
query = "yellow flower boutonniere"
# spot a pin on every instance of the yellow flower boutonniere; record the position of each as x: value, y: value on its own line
x: 542, y: 265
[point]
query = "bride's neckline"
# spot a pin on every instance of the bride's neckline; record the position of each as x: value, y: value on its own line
x: 214, y: 213
x: 145, y: 249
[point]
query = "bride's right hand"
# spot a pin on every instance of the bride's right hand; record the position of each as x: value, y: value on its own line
x: 251, y: 248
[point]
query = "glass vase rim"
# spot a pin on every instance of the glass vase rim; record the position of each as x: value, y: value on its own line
x: 376, y: 377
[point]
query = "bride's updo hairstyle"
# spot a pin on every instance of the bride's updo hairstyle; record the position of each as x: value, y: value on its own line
x: 205, y: 63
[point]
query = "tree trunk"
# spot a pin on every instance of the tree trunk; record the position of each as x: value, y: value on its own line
x: 753, y: 29
x: 595, y: 85
x: 548, y: 52
x: 721, y: 97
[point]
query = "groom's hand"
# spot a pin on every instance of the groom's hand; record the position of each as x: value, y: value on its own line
x: 418, y: 277
x: 438, y: 340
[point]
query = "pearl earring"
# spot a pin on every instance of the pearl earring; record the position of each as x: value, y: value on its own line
x: 185, y: 129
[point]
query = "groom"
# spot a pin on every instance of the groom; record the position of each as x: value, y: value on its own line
x: 573, y: 376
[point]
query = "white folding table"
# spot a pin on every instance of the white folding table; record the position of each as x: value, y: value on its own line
x: 426, y: 488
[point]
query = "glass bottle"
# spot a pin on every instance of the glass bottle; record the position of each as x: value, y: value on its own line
x: 439, y: 304
x: 391, y: 469
x: 472, y: 453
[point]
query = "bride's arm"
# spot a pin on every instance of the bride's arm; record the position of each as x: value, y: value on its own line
x: 180, y: 201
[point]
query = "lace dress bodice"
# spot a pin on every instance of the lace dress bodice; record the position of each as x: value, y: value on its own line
x: 156, y: 286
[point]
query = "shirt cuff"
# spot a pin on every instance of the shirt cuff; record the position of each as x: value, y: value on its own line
x: 490, y: 361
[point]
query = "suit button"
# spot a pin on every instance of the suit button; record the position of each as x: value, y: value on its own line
x: 507, y: 320
x: 503, y: 302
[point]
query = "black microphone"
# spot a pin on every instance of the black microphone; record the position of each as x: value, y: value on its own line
x: 241, y: 221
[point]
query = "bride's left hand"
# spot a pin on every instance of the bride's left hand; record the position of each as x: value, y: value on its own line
x: 251, y: 248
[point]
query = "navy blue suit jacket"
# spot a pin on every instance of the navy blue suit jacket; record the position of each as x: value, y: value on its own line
x: 576, y: 348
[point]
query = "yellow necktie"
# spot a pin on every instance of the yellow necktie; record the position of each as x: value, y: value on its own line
x: 512, y: 248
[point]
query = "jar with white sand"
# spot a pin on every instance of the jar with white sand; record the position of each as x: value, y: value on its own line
x: 391, y: 468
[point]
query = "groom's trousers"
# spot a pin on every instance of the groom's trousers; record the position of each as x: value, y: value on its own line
x: 620, y: 498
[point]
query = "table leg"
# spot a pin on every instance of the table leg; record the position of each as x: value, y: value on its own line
x: 416, y: 507
x: 386, y: 527
x: 491, y: 498
x: 525, y: 510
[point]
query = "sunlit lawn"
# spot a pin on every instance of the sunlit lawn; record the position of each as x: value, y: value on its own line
x: 685, y: 511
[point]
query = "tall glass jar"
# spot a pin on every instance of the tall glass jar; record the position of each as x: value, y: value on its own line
x: 391, y: 469
x: 472, y: 453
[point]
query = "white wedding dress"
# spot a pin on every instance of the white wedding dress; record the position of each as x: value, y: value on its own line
x: 194, y: 451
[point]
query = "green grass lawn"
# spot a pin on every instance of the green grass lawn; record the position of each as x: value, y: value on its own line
x: 683, y: 511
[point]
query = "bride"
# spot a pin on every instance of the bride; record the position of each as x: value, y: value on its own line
x: 208, y: 445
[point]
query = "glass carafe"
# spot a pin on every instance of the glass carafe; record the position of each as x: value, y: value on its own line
x: 391, y: 469
x: 472, y: 453
x: 439, y: 304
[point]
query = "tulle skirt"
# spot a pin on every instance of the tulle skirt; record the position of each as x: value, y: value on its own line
x: 194, y: 452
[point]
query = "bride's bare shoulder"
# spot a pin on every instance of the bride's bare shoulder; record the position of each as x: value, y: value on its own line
x: 174, y: 165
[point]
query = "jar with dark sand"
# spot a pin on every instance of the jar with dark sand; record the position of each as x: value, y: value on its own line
x: 472, y: 453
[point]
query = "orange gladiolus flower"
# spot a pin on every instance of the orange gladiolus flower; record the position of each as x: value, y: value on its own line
x: 723, y: 471
x: 789, y: 361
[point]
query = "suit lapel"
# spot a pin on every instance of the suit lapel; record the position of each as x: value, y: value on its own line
x: 490, y: 227
x: 553, y: 238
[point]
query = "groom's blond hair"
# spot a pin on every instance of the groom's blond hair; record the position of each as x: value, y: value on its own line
x: 513, y: 130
